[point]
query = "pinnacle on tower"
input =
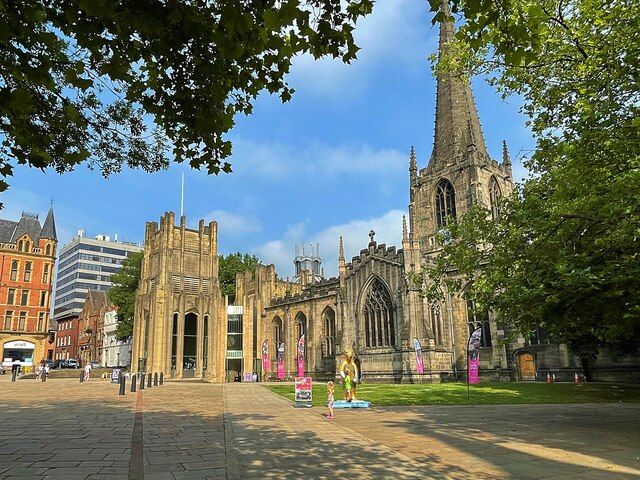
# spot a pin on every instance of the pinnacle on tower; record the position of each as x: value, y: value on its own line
x: 457, y: 128
x: 341, y: 250
x: 506, y: 160
x: 405, y: 235
x: 413, y: 166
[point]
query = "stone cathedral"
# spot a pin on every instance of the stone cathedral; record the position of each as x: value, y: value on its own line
x: 184, y: 327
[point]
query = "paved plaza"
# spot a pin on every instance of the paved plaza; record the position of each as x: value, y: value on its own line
x: 63, y: 429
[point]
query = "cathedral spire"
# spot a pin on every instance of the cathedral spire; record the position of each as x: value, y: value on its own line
x: 458, y: 128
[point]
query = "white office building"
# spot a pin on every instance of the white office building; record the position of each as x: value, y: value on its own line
x: 86, y: 264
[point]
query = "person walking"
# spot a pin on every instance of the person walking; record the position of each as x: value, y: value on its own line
x: 87, y: 371
x: 330, y: 388
x: 45, y: 372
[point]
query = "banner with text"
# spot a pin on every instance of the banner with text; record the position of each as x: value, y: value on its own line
x: 301, y: 356
x: 266, y: 362
x: 473, y: 354
x: 303, y: 393
x: 281, y: 361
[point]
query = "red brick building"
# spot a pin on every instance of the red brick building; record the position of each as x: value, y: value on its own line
x: 67, y: 338
x: 91, y: 326
x: 26, y: 273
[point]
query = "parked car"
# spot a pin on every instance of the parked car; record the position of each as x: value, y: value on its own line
x: 58, y: 364
x: 96, y: 365
x: 50, y: 363
x: 71, y: 363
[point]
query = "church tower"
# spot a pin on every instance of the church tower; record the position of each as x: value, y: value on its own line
x: 460, y: 172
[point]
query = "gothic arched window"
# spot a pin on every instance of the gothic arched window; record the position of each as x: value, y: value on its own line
x: 479, y: 319
x: 436, y: 323
x: 329, y: 324
x: 277, y: 332
x: 494, y: 198
x: 378, y: 316
x: 445, y: 202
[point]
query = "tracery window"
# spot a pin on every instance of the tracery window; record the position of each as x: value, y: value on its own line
x: 436, y: 323
x: 277, y: 332
x: 378, y: 316
x: 479, y: 319
x: 445, y: 202
x: 329, y: 317
x: 494, y: 198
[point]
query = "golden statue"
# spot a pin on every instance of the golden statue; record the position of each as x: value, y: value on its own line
x: 350, y: 372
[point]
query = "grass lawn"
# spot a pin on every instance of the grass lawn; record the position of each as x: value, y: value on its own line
x: 483, y: 393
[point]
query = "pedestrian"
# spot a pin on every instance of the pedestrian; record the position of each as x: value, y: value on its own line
x: 87, y: 371
x: 330, y: 387
x: 254, y: 377
x: 39, y: 371
x: 45, y: 372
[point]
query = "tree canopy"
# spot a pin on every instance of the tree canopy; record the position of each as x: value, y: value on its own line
x: 123, y: 293
x: 229, y: 266
x: 565, y: 253
x: 129, y: 82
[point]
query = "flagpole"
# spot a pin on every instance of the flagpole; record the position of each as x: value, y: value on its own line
x: 468, y: 387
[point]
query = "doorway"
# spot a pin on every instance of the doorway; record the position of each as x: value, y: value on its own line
x: 527, y: 367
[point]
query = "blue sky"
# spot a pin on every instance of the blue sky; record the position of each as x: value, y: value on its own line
x: 333, y: 161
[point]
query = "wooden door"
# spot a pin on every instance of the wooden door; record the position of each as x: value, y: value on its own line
x: 527, y: 366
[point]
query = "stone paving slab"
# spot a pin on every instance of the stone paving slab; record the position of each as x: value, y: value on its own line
x: 65, y: 430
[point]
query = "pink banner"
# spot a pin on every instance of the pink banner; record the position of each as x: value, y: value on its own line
x: 301, y: 356
x: 266, y: 362
x: 473, y: 349
x: 419, y: 364
x: 474, y: 367
x: 280, y: 355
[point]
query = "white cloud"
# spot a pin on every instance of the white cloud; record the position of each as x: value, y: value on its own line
x: 388, y: 228
x: 233, y: 224
x: 275, y: 160
x: 396, y: 31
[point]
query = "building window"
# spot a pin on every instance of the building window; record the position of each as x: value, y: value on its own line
x: 277, y: 332
x: 11, y: 296
x: 378, y: 316
x: 45, y: 274
x: 205, y: 338
x: 190, y: 341
x: 14, y: 271
x: 445, y: 203
x: 22, y: 320
x: 479, y: 319
x: 27, y: 271
x: 329, y: 317
x: 47, y: 250
x: 43, y: 298
x: 539, y: 337
x: 8, y: 319
x: 24, y: 298
x: 174, y: 341
x: 436, y: 324
x: 494, y: 198
x: 40, y: 321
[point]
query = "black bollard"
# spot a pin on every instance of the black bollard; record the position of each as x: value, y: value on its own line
x: 123, y: 384
x: 161, y: 378
x: 142, y: 381
x: 134, y: 383
x: 81, y: 375
x: 148, y: 380
x: 44, y: 375
x: 155, y: 379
